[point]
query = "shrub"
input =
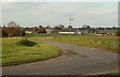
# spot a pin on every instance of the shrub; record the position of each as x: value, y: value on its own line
x: 26, y: 42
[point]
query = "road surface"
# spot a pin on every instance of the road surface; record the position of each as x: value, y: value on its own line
x: 76, y: 60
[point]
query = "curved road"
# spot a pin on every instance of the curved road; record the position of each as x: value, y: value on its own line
x: 76, y: 60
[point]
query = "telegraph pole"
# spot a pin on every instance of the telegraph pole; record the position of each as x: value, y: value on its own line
x: 71, y: 19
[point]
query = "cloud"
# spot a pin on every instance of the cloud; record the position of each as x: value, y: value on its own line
x: 54, y: 13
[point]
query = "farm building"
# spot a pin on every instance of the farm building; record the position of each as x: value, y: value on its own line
x: 48, y: 30
x: 107, y: 32
x: 28, y: 30
x: 68, y: 31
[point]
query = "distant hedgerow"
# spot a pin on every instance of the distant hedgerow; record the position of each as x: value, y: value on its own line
x: 26, y: 42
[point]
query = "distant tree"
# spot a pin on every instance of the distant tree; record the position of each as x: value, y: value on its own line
x: 4, y: 32
x: 55, y: 27
x: 70, y: 27
x: 61, y: 26
x: 34, y: 29
x: 86, y: 27
x: 38, y: 30
x: 101, y: 28
x: 11, y: 30
x: 48, y: 27
x: 40, y: 26
x: 108, y: 28
x: 18, y: 25
x: 4, y: 26
x: 114, y: 27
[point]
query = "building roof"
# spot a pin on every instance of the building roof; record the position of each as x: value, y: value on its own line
x: 28, y: 29
x: 68, y: 30
x: 108, y: 31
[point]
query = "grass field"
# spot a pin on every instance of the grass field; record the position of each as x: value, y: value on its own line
x: 110, y: 43
x: 13, y: 54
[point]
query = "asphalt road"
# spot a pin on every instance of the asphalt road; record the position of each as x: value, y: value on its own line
x: 76, y: 60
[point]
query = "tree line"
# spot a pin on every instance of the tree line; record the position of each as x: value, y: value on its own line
x: 12, y: 29
x: 39, y: 29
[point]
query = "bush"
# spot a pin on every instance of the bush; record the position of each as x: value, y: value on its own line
x: 26, y: 42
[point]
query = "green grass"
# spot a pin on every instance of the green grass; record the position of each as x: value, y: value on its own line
x: 109, y: 43
x: 13, y: 54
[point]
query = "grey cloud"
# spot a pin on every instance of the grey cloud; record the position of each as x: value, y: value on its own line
x: 53, y: 13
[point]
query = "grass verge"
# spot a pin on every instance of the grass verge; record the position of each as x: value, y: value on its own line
x: 110, y: 43
x: 13, y: 54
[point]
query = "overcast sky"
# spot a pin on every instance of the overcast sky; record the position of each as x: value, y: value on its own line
x: 30, y: 14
